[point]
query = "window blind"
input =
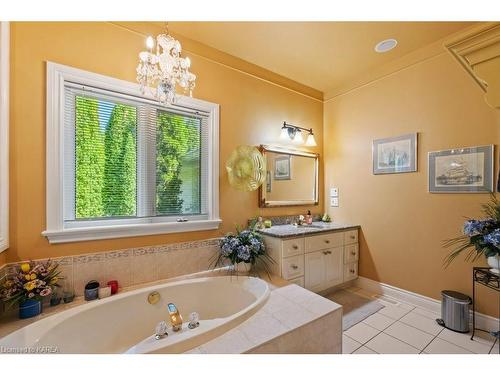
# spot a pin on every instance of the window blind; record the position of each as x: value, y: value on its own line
x: 130, y: 158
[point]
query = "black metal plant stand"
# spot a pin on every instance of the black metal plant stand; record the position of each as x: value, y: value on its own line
x: 483, y: 276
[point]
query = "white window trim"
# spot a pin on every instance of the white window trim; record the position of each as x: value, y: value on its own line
x: 57, y: 76
x: 4, y: 134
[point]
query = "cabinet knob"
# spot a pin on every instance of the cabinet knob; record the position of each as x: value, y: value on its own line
x: 327, y: 241
x: 294, y: 266
x: 295, y: 247
x: 328, y: 252
x: 352, y: 237
x: 352, y: 271
x: 353, y: 253
x: 325, y: 252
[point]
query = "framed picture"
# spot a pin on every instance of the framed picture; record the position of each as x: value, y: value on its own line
x: 461, y: 170
x: 395, y: 155
x: 282, y: 168
x: 269, y: 186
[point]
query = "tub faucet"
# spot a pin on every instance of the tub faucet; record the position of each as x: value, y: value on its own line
x: 175, y: 317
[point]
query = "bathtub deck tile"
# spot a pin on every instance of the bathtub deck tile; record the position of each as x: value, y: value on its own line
x: 262, y: 327
x: 231, y: 342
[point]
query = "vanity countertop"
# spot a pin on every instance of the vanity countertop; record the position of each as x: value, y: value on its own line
x: 288, y: 230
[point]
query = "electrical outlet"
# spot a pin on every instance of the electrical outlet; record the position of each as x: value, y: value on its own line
x: 334, y: 202
x: 334, y: 192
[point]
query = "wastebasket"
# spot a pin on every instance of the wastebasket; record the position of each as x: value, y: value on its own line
x: 455, y: 311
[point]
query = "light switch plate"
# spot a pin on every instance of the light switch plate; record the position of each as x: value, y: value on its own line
x: 334, y: 192
x: 334, y: 202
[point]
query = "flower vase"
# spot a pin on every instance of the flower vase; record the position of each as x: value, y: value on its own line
x: 242, y: 267
x: 29, y: 308
x: 494, y: 263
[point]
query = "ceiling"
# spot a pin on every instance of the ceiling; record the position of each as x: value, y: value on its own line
x: 321, y: 55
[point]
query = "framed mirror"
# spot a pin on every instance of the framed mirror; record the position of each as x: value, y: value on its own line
x: 291, y: 179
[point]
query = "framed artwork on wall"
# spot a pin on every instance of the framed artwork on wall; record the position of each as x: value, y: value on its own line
x: 395, y: 154
x: 461, y: 170
x: 282, y: 168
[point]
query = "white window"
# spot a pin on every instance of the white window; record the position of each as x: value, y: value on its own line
x: 119, y: 164
x: 4, y: 135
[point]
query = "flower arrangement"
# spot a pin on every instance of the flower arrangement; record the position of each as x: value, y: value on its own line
x: 246, y: 246
x: 31, y: 281
x: 481, y: 237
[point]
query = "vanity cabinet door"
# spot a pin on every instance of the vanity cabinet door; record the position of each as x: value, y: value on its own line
x: 334, y: 267
x: 314, y: 270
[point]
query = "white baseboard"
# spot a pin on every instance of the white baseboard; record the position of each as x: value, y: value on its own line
x: 483, y: 321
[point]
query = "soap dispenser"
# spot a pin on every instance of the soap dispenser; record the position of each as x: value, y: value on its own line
x: 309, y: 218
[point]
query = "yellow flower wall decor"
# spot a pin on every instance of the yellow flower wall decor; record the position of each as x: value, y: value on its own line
x: 246, y: 168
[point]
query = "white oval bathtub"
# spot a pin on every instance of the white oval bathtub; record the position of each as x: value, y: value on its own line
x: 125, y: 323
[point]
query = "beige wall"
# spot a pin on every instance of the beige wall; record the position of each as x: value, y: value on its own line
x: 254, y: 103
x: 403, y: 225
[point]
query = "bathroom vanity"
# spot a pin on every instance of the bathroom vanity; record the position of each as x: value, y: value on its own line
x: 316, y: 257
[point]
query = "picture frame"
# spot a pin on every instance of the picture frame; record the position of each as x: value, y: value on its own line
x: 395, y: 154
x: 462, y: 170
x: 282, y: 168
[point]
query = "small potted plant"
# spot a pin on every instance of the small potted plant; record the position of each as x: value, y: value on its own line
x: 28, y: 285
x: 243, y: 250
x: 481, y: 237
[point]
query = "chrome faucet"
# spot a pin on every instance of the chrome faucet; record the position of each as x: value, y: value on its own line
x: 175, y: 317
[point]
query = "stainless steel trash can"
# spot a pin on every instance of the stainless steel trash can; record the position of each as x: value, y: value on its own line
x: 455, y: 311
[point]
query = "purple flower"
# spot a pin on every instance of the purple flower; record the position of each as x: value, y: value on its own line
x: 473, y: 227
x: 493, y: 238
x: 243, y: 252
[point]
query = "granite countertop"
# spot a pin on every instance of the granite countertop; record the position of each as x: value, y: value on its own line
x: 288, y: 230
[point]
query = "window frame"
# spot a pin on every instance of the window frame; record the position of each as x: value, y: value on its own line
x: 57, y: 231
x: 4, y: 134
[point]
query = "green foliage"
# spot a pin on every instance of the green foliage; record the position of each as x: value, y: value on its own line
x: 119, y: 185
x: 106, y: 160
x: 89, y: 144
x: 176, y: 137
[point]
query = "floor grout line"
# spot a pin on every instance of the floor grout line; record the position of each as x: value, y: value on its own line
x: 413, y: 308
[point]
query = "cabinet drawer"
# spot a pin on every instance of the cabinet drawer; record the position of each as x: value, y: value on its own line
x: 351, y: 236
x: 350, y: 271
x: 293, y: 247
x: 299, y: 281
x: 293, y: 267
x: 351, y: 253
x: 324, y: 241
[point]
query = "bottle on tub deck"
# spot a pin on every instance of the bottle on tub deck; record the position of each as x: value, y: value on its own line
x: 309, y: 218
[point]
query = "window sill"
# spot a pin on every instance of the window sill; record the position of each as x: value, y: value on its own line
x: 130, y: 230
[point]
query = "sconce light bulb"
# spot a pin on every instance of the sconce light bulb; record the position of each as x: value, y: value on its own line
x: 284, y: 134
x: 150, y: 42
x: 311, y: 142
x: 298, y: 139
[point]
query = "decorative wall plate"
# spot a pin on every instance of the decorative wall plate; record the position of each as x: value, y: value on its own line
x: 246, y: 168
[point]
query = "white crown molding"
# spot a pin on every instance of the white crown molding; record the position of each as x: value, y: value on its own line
x: 483, y: 321
x: 4, y: 134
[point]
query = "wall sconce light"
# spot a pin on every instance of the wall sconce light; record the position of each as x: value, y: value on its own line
x: 294, y: 133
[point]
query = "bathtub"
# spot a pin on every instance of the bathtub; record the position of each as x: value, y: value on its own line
x: 125, y: 323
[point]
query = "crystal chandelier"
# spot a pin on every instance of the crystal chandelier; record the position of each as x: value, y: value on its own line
x: 161, y: 72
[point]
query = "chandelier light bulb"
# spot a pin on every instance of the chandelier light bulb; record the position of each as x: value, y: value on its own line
x: 150, y: 42
x: 311, y: 142
x: 188, y: 62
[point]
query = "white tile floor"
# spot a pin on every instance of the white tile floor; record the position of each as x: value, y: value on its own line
x: 404, y: 329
